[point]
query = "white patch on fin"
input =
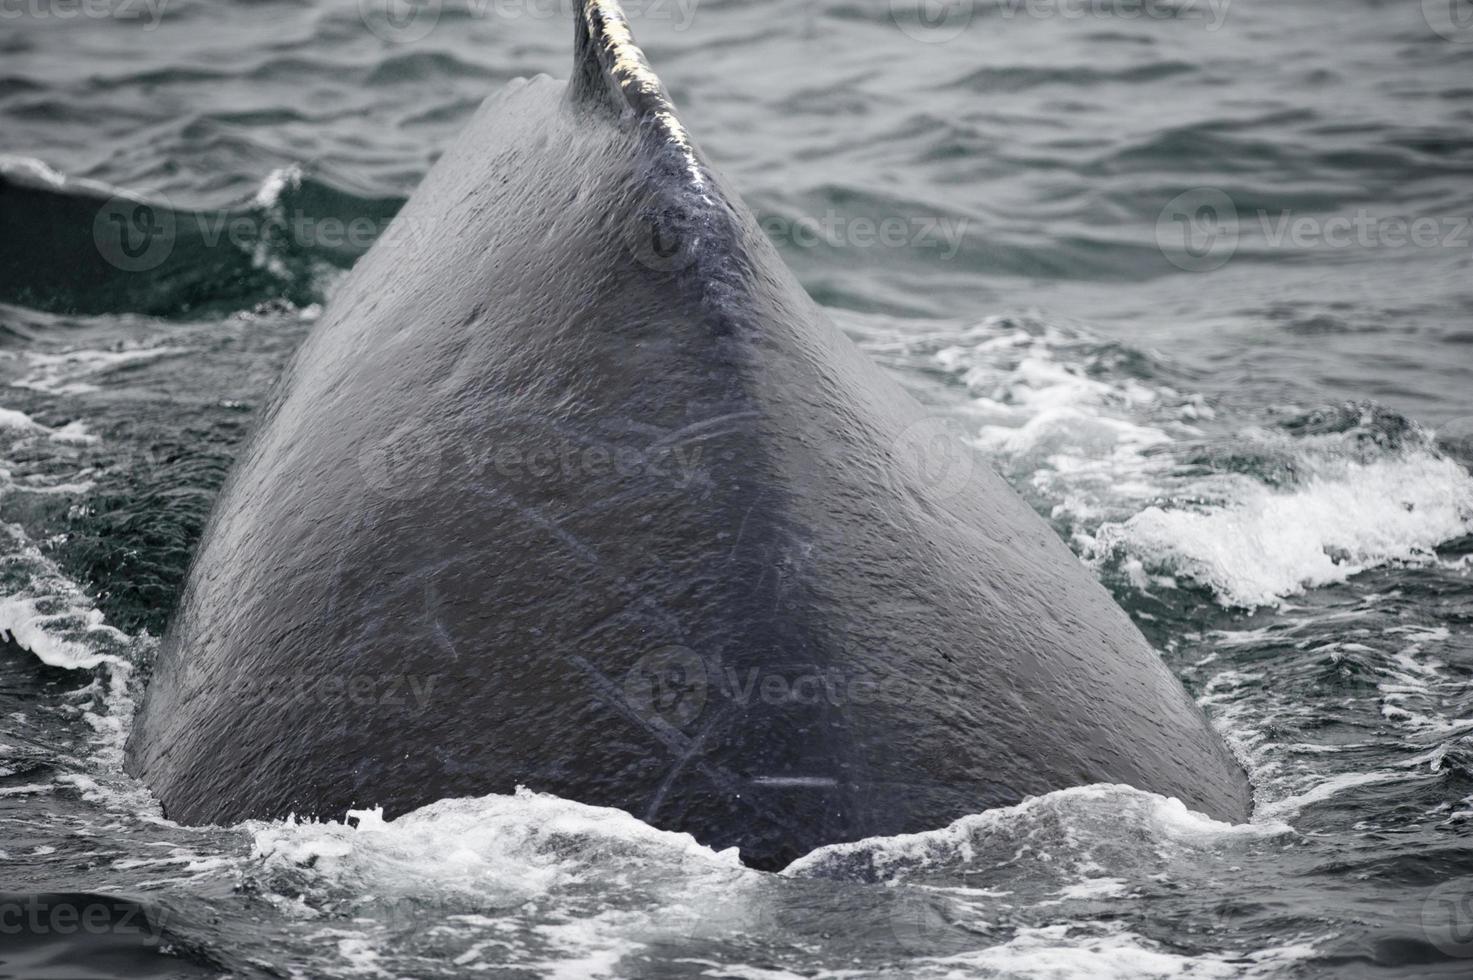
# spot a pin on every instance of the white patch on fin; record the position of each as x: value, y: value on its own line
x: 633, y: 72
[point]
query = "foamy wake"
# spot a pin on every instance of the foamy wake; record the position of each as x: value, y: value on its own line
x: 498, y: 847
x: 527, y: 880
x: 76, y: 372
x: 1264, y: 544
x: 43, y: 611
x: 21, y: 435
x: 1154, y: 482
x: 1105, y: 951
x: 1076, y: 819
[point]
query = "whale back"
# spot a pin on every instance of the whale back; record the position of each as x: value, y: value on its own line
x: 574, y: 488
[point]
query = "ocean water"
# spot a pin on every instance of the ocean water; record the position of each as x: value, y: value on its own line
x: 1195, y: 275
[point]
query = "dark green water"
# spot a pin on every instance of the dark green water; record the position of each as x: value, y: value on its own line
x: 1197, y: 277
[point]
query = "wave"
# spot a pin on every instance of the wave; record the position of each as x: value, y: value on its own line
x: 1070, y: 816
x: 506, y: 848
x: 77, y: 246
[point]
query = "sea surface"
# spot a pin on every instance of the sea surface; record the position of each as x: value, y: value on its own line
x: 1197, y: 278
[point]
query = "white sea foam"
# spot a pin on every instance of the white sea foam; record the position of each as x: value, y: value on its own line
x: 508, y: 847
x: 588, y: 947
x: 52, y: 618
x: 520, y: 878
x: 1266, y: 544
x: 27, y: 790
x: 37, y: 170
x: 268, y: 198
x: 76, y: 372
x: 1112, y: 455
x: 1076, y: 815
x: 524, y: 880
x: 1101, y: 951
x: 1066, y: 952
x: 1094, y: 888
x: 276, y: 183
x: 22, y: 620
x: 34, y: 171
x: 75, y: 433
x: 15, y: 421
x: 1416, y: 689
x: 1325, y: 789
x: 23, y: 470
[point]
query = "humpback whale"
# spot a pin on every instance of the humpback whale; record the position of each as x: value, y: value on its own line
x: 574, y: 488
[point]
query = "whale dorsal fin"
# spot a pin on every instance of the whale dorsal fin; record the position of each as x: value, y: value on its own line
x: 610, y: 71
